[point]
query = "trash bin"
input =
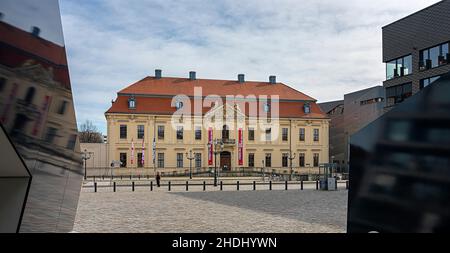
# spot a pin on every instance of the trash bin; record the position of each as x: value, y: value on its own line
x: 323, y: 185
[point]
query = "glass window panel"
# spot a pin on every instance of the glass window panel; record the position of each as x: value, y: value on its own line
x: 434, y: 54
x: 390, y: 67
x: 407, y: 65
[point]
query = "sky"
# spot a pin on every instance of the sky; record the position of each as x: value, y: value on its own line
x: 323, y: 48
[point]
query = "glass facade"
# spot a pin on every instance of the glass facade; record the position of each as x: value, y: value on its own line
x: 301, y: 160
x: 268, y: 160
x: 179, y: 133
x: 41, y: 172
x: 198, y: 133
x: 434, y: 56
x: 396, y: 94
x: 198, y: 160
x: 399, y: 176
x: 427, y: 81
x: 251, y: 134
x: 399, y: 67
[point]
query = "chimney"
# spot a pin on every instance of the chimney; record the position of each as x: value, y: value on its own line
x: 241, y: 78
x: 272, y: 79
x: 158, y: 73
x: 35, y: 31
x: 1, y: 16
x: 192, y: 75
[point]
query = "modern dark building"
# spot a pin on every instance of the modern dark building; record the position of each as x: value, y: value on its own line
x: 400, y: 167
x: 348, y: 116
x: 416, y: 51
x: 41, y: 172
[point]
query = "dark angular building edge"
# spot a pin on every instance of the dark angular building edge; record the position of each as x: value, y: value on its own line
x: 40, y: 187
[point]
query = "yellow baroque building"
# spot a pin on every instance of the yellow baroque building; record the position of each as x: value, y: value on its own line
x: 158, y: 123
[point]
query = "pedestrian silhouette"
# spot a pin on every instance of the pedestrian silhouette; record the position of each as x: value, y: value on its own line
x: 158, y: 179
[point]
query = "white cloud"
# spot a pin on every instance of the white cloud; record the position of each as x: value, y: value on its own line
x: 322, y: 48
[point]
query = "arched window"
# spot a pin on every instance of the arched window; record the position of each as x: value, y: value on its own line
x: 225, y: 132
x: 307, y: 108
x: 131, y: 103
x: 178, y: 105
x: 30, y: 95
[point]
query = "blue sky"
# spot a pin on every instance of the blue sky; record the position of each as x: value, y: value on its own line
x: 323, y: 48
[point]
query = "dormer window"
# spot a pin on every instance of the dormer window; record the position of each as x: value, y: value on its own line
x: 178, y: 105
x: 307, y: 108
x: 131, y: 103
x: 266, y: 107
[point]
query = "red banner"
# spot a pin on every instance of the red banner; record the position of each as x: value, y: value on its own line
x: 42, y: 115
x: 240, y: 148
x: 210, y: 146
x: 11, y: 97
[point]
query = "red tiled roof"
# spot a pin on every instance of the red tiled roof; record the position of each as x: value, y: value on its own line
x: 18, y: 46
x: 162, y: 106
x: 174, y: 86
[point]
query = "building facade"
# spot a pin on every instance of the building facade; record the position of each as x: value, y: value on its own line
x: 348, y: 116
x: 256, y: 125
x: 38, y: 122
x: 416, y: 51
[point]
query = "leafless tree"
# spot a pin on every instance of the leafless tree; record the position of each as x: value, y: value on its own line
x: 89, y: 133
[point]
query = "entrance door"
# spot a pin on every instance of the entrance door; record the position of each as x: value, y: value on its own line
x: 225, y: 159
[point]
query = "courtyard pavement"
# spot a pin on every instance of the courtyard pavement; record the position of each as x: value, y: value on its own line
x: 277, y: 211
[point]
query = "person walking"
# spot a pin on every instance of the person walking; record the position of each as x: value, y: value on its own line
x: 158, y: 179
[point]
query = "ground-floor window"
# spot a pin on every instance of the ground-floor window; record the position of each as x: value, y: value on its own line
x: 179, y: 160
x: 268, y: 160
x: 301, y: 159
x: 123, y: 160
x: 139, y: 160
x: 251, y: 160
x: 316, y: 160
x: 198, y: 160
x: 284, y: 160
x: 160, y: 160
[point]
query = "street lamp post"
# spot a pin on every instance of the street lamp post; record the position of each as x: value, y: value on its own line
x: 263, y: 170
x: 190, y: 156
x: 291, y: 157
x: 218, y: 147
x: 86, y: 156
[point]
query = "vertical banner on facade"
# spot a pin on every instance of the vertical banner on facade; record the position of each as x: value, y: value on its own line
x: 240, y: 148
x: 210, y: 146
x: 154, y: 150
x: 42, y: 115
x: 11, y: 97
x: 132, y: 151
x: 143, y: 153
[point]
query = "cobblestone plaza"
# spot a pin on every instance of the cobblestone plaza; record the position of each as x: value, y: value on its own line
x: 277, y: 211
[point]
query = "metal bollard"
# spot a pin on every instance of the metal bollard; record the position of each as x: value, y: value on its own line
x: 237, y: 185
x: 132, y: 186
x: 139, y: 177
x: 317, y: 184
x: 336, y: 186
x: 103, y: 177
x: 254, y: 185
x: 151, y: 185
x: 301, y: 185
x: 169, y: 185
x: 286, y: 185
x: 204, y: 186
x: 94, y: 178
x: 130, y: 177
x: 95, y: 186
x: 270, y: 185
x: 346, y: 184
x: 187, y: 185
x: 114, y: 186
x: 221, y: 185
x: 121, y: 177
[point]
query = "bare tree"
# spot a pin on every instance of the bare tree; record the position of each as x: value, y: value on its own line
x: 89, y: 133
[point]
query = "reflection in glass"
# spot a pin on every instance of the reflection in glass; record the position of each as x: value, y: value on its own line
x: 34, y: 79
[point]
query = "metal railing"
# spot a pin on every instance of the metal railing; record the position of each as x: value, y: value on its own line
x: 169, y: 185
